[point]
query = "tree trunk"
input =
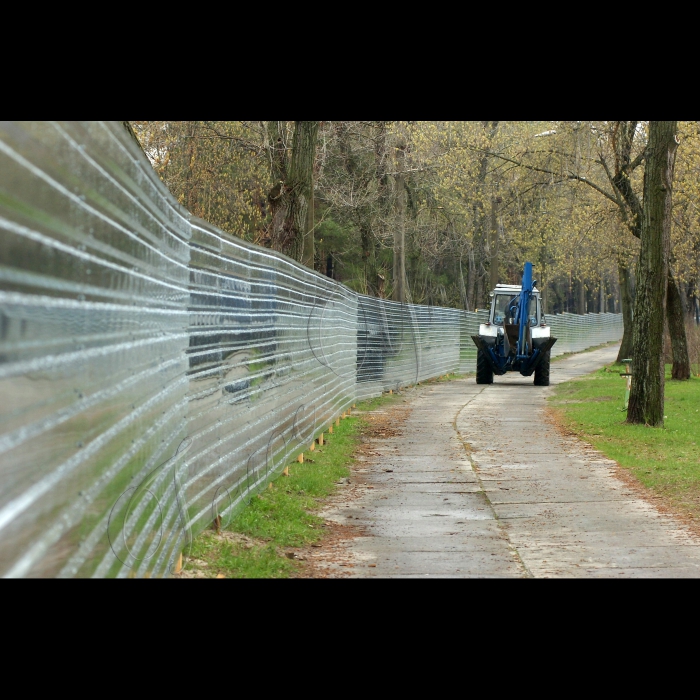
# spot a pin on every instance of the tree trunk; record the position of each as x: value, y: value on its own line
x: 683, y: 289
x: 383, y: 180
x: 544, y: 286
x: 399, y: 239
x: 463, y: 288
x: 626, y: 303
x: 309, y: 252
x: 292, y: 179
x: 276, y: 133
x: 471, y: 280
x: 190, y: 201
x: 646, y: 404
x: 693, y: 302
x: 676, y: 329
x: 615, y: 297
x: 625, y: 133
x: 366, y: 243
x: 477, y: 257
x: 298, y: 188
x: 494, y: 244
x: 581, y: 304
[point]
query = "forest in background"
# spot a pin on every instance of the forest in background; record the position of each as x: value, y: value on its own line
x: 437, y: 212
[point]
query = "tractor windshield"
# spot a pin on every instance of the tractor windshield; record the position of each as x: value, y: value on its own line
x: 506, y: 305
x: 501, y: 306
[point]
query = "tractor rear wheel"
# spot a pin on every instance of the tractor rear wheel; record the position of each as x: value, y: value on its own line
x: 484, y: 372
x: 542, y: 371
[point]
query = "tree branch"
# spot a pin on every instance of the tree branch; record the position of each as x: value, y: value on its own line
x: 568, y: 176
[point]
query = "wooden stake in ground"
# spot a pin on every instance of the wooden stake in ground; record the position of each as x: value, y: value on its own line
x: 320, y: 440
x: 646, y: 403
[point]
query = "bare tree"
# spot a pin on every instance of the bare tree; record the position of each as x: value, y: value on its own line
x: 292, y: 172
x: 646, y: 404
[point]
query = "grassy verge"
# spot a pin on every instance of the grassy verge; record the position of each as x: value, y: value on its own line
x: 253, y: 545
x: 450, y: 377
x: 665, y: 460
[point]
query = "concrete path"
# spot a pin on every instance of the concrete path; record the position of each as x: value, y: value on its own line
x: 480, y: 484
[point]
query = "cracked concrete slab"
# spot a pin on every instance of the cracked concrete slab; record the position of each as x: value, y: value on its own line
x: 478, y: 484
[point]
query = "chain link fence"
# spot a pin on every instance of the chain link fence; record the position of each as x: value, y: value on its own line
x: 157, y: 372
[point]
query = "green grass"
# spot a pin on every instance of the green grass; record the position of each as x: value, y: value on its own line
x: 238, y: 559
x: 451, y: 377
x: 284, y: 516
x: 666, y: 460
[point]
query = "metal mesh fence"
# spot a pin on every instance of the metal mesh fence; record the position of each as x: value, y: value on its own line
x: 402, y: 344
x: 578, y: 332
x: 155, y: 371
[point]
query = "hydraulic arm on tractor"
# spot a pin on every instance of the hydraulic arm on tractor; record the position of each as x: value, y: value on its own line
x: 515, y: 337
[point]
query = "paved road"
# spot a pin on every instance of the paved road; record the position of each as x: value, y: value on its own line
x: 479, y: 484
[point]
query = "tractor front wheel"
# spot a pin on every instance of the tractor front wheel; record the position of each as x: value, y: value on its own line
x: 542, y: 371
x: 484, y: 372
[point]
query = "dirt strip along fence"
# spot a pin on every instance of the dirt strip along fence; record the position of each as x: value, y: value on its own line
x: 156, y: 372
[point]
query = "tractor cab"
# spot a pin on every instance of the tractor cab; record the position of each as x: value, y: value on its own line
x: 504, y: 305
x: 515, y: 337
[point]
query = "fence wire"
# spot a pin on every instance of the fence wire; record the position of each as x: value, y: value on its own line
x: 156, y: 372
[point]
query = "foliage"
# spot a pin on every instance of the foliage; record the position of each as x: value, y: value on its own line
x: 215, y: 169
x: 685, y: 233
x: 481, y: 198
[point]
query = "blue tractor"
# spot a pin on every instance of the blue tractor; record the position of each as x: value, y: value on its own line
x: 515, y: 338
